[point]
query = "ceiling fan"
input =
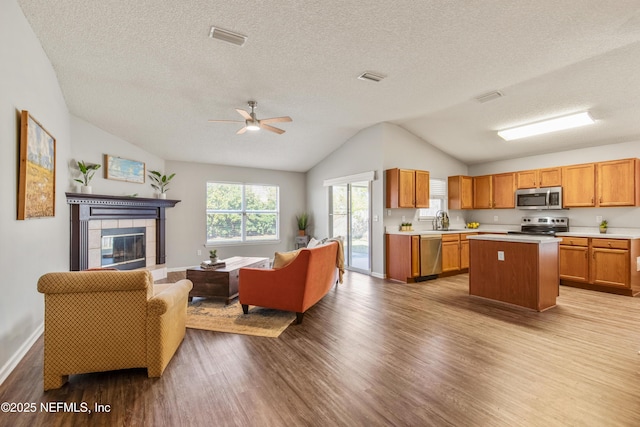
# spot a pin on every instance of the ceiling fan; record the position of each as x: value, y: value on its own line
x: 252, y: 123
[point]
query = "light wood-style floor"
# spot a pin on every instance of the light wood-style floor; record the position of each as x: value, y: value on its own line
x: 377, y: 353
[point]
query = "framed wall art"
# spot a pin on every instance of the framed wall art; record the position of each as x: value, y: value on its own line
x: 37, y: 180
x: 124, y: 169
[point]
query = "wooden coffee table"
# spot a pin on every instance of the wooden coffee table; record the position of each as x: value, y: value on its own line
x: 221, y: 283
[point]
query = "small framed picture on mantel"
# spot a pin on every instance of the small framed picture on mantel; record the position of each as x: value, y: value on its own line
x: 124, y: 169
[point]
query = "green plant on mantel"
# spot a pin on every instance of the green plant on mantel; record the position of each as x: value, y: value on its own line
x: 160, y: 181
x: 87, y: 170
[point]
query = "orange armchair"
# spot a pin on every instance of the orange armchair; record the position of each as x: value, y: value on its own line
x: 294, y: 287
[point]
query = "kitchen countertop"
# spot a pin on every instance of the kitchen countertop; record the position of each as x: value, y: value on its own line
x: 622, y: 233
x: 517, y: 238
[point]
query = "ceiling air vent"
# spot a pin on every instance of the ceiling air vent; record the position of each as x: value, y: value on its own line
x: 227, y: 36
x: 371, y: 76
x: 489, y: 96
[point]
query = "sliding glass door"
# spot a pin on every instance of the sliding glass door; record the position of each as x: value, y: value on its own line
x: 349, y: 216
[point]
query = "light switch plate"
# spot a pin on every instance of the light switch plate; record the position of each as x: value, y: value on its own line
x: 500, y: 255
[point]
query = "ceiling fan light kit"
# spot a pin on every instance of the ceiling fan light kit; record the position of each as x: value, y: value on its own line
x: 252, y: 123
x: 547, y: 126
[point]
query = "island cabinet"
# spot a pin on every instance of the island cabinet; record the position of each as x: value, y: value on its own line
x: 494, y: 191
x: 520, y: 270
x: 602, y: 264
x: 536, y: 178
x: 407, y: 188
x: 460, y: 192
x: 403, y: 257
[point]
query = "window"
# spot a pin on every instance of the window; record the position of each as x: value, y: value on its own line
x: 239, y: 213
x: 437, y: 199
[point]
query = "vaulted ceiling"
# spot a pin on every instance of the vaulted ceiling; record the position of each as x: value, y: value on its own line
x: 148, y: 72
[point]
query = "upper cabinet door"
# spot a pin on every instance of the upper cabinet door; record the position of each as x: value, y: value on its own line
x: 550, y: 177
x: 579, y: 185
x: 617, y: 183
x: 460, y: 192
x: 527, y: 179
x: 504, y: 187
x: 422, y: 189
x: 482, y: 192
x: 407, y: 189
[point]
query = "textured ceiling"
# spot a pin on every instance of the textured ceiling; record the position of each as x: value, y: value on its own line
x: 147, y: 72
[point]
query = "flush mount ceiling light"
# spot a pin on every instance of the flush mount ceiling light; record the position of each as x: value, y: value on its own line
x: 546, y: 126
x: 227, y: 36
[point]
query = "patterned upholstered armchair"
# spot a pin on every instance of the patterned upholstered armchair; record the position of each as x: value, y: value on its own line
x: 98, y: 321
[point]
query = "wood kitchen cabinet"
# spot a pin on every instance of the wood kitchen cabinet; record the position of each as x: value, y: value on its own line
x: 403, y: 257
x: 536, y: 178
x: 579, y: 185
x: 407, y: 188
x: 460, y: 190
x: 574, y: 259
x: 618, y: 183
x: 483, y: 192
x: 464, y: 250
x: 601, y: 264
x: 494, y: 191
x: 610, y: 262
x: 450, y: 252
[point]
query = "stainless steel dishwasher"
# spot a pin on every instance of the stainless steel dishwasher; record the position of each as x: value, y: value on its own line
x: 430, y: 254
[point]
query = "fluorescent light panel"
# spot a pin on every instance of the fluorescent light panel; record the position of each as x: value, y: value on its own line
x: 552, y: 125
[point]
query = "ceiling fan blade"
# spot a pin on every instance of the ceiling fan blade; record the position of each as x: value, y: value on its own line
x: 244, y: 114
x: 276, y: 120
x: 271, y: 128
x: 226, y: 121
x: 241, y: 131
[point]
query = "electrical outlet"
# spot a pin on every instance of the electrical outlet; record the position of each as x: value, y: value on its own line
x: 199, y: 252
x: 404, y: 218
x: 598, y: 219
x: 495, y: 218
x: 500, y: 255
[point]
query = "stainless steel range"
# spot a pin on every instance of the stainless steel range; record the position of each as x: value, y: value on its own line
x: 543, y: 225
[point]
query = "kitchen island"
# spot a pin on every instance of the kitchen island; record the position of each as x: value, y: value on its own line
x: 516, y: 269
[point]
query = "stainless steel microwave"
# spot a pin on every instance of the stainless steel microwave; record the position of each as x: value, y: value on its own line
x: 539, y: 198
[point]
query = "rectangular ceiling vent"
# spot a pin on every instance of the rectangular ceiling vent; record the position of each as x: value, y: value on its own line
x: 374, y: 77
x: 489, y: 96
x: 227, y: 36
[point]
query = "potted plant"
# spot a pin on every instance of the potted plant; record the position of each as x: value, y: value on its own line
x: 87, y: 171
x: 603, y: 226
x: 213, y: 255
x: 160, y: 182
x: 303, y: 222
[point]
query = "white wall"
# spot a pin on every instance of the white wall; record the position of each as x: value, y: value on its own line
x: 89, y: 143
x: 619, y: 217
x: 33, y: 247
x: 186, y: 223
x: 379, y: 147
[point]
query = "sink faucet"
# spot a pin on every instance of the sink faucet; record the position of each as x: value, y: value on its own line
x: 441, y: 221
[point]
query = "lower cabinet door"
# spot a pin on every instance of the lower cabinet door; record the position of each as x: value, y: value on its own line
x: 574, y: 263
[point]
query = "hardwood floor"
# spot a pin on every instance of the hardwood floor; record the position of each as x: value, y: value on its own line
x: 377, y: 353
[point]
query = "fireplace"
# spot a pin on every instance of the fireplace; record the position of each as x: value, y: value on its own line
x: 123, y: 248
x: 93, y: 214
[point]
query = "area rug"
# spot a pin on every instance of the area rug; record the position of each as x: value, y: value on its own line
x: 214, y: 315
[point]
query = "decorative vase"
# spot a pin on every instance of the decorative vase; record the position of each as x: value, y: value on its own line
x: 603, y: 230
x: 162, y: 195
x: 300, y: 232
x: 213, y: 260
x: 85, y: 189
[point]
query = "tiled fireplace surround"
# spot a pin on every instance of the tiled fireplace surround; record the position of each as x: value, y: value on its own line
x: 90, y: 214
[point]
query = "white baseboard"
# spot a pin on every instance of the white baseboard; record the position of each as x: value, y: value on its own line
x: 378, y: 275
x: 8, y: 367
